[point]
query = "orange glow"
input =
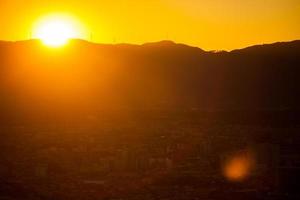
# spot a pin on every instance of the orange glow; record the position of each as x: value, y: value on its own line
x: 209, y: 24
x: 238, y: 167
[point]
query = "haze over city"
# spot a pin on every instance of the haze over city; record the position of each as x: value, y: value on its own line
x: 152, y: 100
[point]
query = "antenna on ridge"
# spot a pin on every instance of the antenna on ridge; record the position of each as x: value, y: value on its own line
x: 30, y: 35
x: 91, y: 36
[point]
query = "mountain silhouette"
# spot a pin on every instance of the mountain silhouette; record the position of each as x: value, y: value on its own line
x: 85, y: 77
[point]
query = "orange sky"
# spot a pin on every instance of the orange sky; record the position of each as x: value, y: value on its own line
x: 209, y: 24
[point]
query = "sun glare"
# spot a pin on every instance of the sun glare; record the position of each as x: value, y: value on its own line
x: 56, y: 31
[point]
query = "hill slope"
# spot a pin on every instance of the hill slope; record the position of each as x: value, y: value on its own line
x: 87, y: 77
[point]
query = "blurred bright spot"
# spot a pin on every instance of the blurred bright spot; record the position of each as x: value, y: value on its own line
x: 57, y: 30
x: 239, y: 166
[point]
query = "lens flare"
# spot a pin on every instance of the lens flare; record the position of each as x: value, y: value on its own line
x: 238, y: 167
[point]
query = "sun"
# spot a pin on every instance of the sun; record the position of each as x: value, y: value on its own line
x: 56, y: 31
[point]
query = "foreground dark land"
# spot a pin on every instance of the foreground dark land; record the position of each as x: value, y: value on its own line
x: 151, y: 155
x: 156, y: 121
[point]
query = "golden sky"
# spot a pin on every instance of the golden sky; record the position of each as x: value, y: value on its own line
x: 209, y: 24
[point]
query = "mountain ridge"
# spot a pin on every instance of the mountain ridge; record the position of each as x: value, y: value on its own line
x: 84, y: 77
x: 157, y: 43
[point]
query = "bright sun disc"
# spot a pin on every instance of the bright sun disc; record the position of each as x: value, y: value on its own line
x: 56, y: 31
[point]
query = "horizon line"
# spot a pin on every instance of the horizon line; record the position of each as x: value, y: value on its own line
x: 156, y: 42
